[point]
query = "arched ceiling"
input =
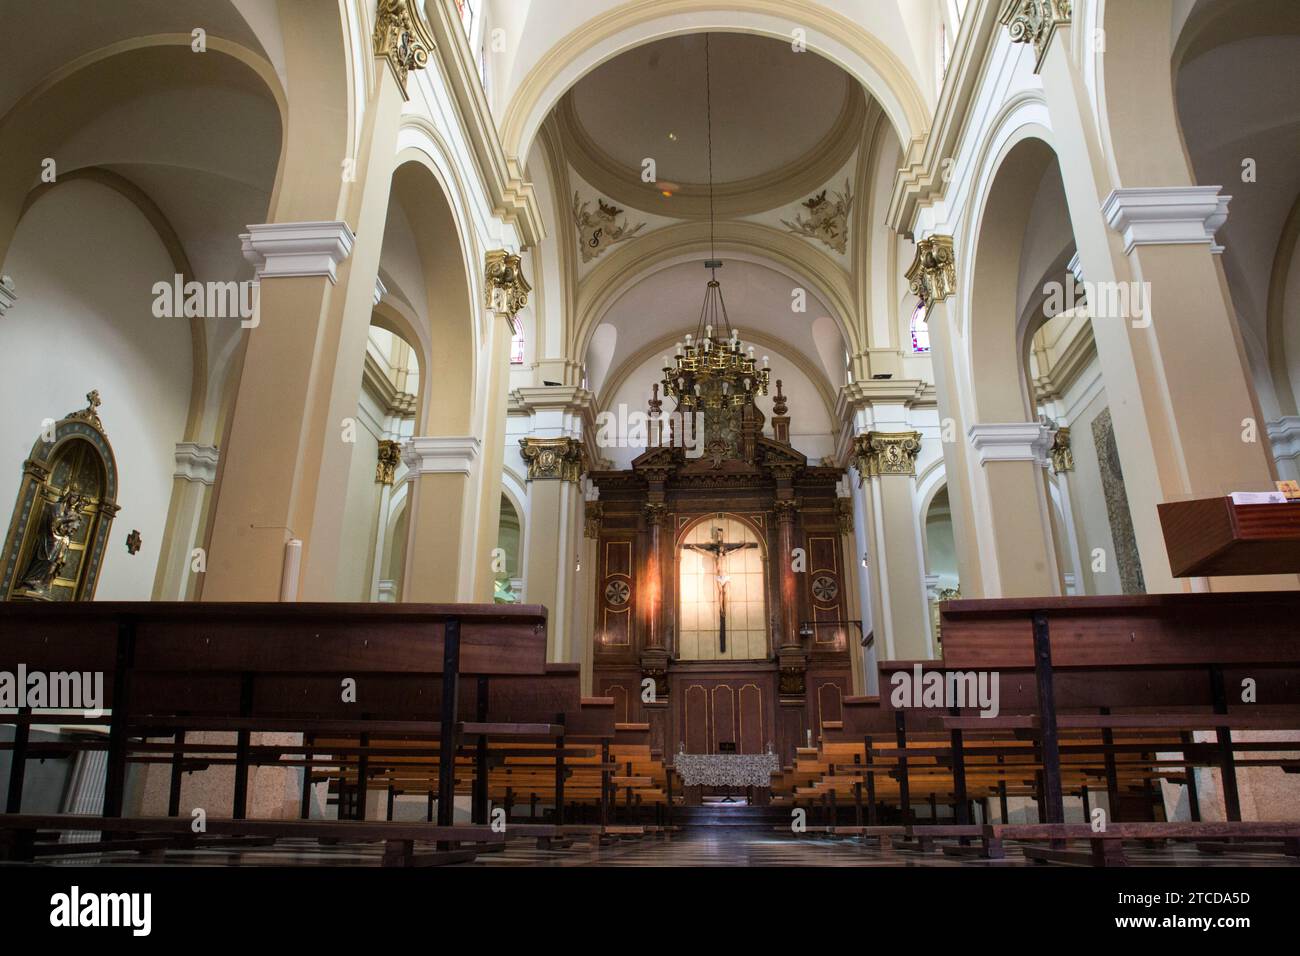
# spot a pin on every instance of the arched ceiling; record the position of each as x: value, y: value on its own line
x: 758, y: 298
x: 783, y: 123
x: 59, y: 31
x: 771, y: 106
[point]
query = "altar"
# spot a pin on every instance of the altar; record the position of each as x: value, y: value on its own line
x: 732, y: 771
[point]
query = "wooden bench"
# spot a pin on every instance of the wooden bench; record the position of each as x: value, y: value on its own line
x: 171, y: 669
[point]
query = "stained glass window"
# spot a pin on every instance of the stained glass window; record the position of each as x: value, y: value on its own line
x: 920, y: 329
x: 517, y: 348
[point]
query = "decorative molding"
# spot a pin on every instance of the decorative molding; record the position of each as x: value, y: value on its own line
x: 1075, y: 266
x: 1284, y: 435
x: 8, y: 294
x: 592, y: 518
x: 827, y: 221
x: 283, y: 249
x: 440, y: 455
x: 886, y: 453
x: 1011, y: 441
x: 560, y: 459
x: 932, y: 276
x: 195, y: 462
x: 401, y: 39
x: 731, y: 199
x: 506, y: 288
x: 1167, y: 215
x: 1034, y: 21
x: 1061, y: 453
x: 844, y: 514
x: 387, y: 460
x: 381, y: 290
x: 599, y: 230
x: 511, y: 195
x: 922, y: 179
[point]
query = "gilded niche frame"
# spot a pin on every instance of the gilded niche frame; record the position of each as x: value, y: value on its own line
x: 54, y: 471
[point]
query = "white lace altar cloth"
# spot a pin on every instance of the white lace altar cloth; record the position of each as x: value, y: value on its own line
x: 726, y: 770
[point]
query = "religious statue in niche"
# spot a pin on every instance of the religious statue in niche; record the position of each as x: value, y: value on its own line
x: 58, y: 534
x: 827, y: 220
x: 59, y: 528
x: 719, y: 549
x: 599, y: 230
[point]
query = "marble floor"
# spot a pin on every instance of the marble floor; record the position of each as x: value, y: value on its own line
x: 697, y: 848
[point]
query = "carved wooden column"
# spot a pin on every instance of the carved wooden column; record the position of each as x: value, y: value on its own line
x: 654, y: 656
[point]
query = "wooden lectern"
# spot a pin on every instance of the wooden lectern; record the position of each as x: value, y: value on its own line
x: 1214, y: 536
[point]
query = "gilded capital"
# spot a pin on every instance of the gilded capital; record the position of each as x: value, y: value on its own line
x: 507, y: 289
x: 401, y: 38
x: 554, y: 458
x: 390, y: 455
x: 1061, y: 452
x: 1034, y: 21
x: 592, y: 518
x: 886, y: 453
x: 932, y: 276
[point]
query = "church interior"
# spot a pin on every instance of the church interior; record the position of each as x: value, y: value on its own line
x: 567, y: 433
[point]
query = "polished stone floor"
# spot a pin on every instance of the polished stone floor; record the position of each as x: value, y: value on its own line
x: 698, y: 848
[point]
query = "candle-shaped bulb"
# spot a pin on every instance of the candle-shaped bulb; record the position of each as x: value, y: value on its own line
x: 708, y: 331
x: 688, y: 340
x: 751, y: 352
x: 764, y: 361
x: 697, y: 390
x: 679, y: 349
x: 666, y: 365
x: 708, y: 343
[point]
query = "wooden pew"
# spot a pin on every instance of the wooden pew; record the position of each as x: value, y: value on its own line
x: 173, y: 668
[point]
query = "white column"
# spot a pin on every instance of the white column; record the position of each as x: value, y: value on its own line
x: 192, y: 481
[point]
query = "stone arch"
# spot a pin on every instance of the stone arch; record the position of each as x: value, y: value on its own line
x: 845, y: 42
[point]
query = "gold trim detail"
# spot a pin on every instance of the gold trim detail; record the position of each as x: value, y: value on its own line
x: 1061, y: 452
x: 390, y: 455
x: 401, y: 38
x: 932, y: 276
x: 827, y: 220
x: 886, y: 453
x: 506, y: 288
x: 1034, y: 21
x: 554, y: 458
x: 592, y: 519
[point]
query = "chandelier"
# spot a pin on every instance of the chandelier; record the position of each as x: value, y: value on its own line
x: 713, y: 368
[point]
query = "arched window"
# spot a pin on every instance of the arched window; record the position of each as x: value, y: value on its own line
x: 517, y: 347
x: 920, y: 329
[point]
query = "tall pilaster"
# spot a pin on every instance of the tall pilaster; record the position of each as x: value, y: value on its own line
x: 440, y: 535
x: 196, y: 469
x: 886, y: 463
x: 1146, y: 237
x: 507, y: 293
x: 554, y: 539
x: 287, y: 455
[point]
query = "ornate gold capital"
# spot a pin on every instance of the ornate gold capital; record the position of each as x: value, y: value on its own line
x: 932, y: 276
x: 844, y: 514
x: 507, y: 289
x: 401, y: 38
x: 1034, y: 21
x: 654, y: 511
x: 554, y: 458
x: 1061, y: 452
x: 390, y: 455
x: 595, y: 513
x: 886, y: 453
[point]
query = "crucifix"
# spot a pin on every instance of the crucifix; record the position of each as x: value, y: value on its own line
x: 720, y: 549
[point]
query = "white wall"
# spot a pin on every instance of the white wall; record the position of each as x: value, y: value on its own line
x: 84, y: 261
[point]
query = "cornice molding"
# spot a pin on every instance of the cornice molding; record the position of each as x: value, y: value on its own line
x: 1284, y: 435
x: 440, y: 455
x: 1011, y: 441
x: 772, y: 190
x: 920, y: 183
x: 1166, y: 215
x: 284, y: 249
x: 8, y: 294
x: 511, y: 195
x: 196, y: 462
